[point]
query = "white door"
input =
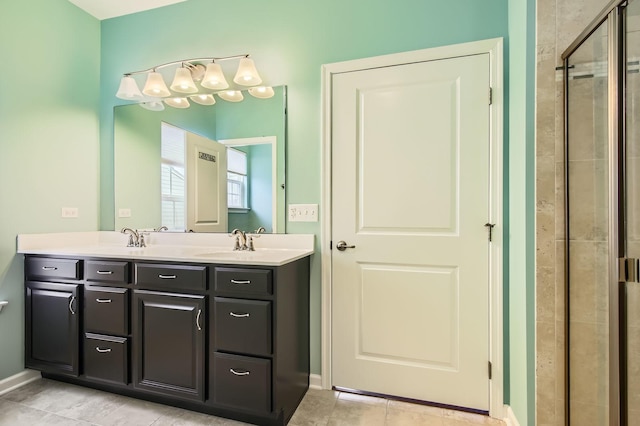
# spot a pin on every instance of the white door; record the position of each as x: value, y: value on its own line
x: 206, y: 184
x: 410, y: 190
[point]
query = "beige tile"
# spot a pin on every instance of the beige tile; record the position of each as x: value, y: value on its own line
x: 588, y: 290
x: 14, y: 414
x: 411, y: 418
x: 546, y: 350
x: 589, y: 360
x: 453, y: 417
x: 545, y: 294
x: 132, y: 412
x: 179, y: 417
x: 560, y: 281
x: 545, y: 399
x: 634, y: 418
x: 545, y: 21
x: 349, y: 413
x: 589, y: 414
x: 560, y: 230
x: 417, y: 408
x: 315, y: 408
x: 560, y: 361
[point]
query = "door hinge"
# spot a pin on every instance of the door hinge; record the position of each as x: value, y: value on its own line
x: 490, y: 227
x: 628, y: 270
x: 489, y: 370
x: 490, y: 95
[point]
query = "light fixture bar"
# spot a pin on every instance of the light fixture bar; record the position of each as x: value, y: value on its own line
x: 186, y: 61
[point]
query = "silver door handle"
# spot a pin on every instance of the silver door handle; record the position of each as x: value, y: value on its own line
x: 240, y: 282
x: 342, y: 246
x: 103, y: 351
x: 198, y: 320
x: 104, y: 272
x: 73, y: 299
x: 233, y: 314
x: 167, y: 277
x: 49, y: 268
x: 239, y: 373
x: 103, y: 300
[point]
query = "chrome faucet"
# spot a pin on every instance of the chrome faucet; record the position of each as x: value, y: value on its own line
x: 134, y: 237
x: 161, y: 228
x: 241, y: 239
x: 260, y: 230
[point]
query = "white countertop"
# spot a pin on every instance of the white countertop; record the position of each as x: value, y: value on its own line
x: 270, y: 249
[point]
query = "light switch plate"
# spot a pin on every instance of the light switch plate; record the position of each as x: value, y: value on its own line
x: 69, y: 212
x: 124, y: 212
x: 303, y: 212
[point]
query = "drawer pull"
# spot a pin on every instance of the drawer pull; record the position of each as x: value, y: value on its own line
x: 167, y: 277
x: 239, y: 373
x: 198, y: 320
x: 49, y: 268
x: 73, y: 299
x: 103, y: 351
x: 233, y: 314
x: 103, y: 300
x: 104, y: 272
x: 241, y: 282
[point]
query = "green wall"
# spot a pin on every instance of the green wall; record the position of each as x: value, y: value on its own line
x: 289, y: 41
x: 49, y: 102
x: 520, y: 293
x: 53, y: 154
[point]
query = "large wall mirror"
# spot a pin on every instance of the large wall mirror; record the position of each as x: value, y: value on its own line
x: 203, y: 168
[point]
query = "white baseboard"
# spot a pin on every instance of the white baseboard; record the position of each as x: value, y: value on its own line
x: 315, y: 381
x: 17, y: 380
x: 510, y: 418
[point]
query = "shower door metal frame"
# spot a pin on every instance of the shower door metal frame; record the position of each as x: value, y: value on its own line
x: 612, y: 15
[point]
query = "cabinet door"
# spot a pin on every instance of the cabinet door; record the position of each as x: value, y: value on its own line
x: 52, y: 318
x: 168, y: 343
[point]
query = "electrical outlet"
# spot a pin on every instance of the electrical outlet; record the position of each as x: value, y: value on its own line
x: 69, y: 212
x: 303, y: 212
x: 124, y: 212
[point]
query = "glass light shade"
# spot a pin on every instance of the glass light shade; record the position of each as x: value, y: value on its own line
x: 128, y: 89
x: 183, y: 82
x: 262, y: 92
x: 247, y: 75
x: 231, y: 95
x: 155, y: 86
x: 203, y: 99
x: 153, y: 105
x: 214, y: 78
x: 177, y: 102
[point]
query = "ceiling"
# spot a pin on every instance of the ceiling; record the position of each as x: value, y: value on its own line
x: 102, y: 9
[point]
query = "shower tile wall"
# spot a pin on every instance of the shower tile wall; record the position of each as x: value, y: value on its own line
x: 559, y: 22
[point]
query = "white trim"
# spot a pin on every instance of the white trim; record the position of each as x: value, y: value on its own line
x: 315, y: 381
x: 17, y: 380
x: 495, y: 49
x: 263, y: 140
x: 510, y: 418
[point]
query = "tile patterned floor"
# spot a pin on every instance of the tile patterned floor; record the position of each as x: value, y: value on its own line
x: 47, y: 402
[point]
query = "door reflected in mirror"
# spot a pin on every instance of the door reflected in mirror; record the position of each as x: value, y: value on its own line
x: 171, y: 168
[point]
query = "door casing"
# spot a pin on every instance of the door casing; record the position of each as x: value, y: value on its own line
x: 494, y: 47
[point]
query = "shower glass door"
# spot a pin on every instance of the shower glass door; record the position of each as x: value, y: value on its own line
x: 632, y: 207
x: 588, y: 249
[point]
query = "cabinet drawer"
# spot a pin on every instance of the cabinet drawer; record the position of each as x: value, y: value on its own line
x: 106, y: 310
x: 243, y: 281
x: 171, y: 276
x: 242, y: 325
x: 242, y: 382
x: 106, y: 358
x: 51, y: 268
x: 105, y: 271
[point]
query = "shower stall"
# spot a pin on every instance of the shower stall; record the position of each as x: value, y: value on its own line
x: 602, y: 220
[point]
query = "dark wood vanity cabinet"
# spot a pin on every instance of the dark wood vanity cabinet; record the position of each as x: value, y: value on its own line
x: 52, y: 314
x: 169, y: 343
x: 227, y: 340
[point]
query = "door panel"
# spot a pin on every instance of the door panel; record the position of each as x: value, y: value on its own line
x: 410, y: 147
x: 206, y: 184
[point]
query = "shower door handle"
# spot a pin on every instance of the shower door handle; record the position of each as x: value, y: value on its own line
x: 628, y: 270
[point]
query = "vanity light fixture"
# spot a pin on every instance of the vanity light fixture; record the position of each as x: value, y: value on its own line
x: 183, y: 81
x: 177, y: 102
x: 203, y: 99
x: 153, y: 105
x: 231, y: 95
x: 262, y: 92
x: 199, y: 78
